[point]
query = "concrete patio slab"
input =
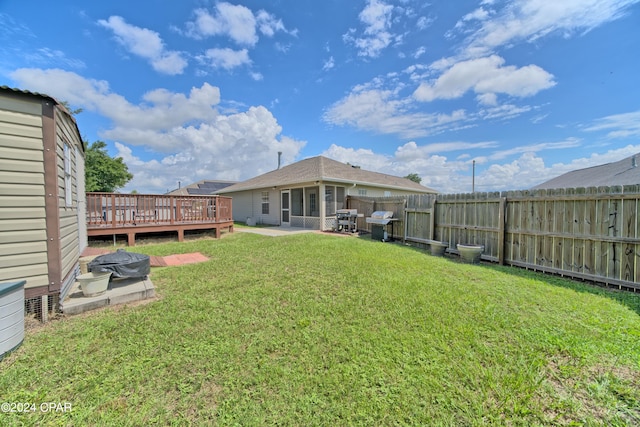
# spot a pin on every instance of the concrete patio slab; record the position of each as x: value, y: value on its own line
x: 120, y: 291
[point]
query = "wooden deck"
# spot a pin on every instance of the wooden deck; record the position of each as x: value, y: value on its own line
x: 130, y: 214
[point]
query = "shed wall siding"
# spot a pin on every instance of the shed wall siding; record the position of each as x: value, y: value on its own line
x: 23, y: 236
x: 68, y: 215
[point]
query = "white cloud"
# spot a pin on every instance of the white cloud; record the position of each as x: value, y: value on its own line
x: 225, y: 58
x: 493, y: 173
x: 619, y: 125
x: 485, y: 75
x: 419, y: 52
x: 329, y: 64
x: 423, y: 22
x: 529, y: 20
x: 381, y: 111
x: 269, y: 24
x: 188, y: 137
x: 487, y: 98
x: 503, y: 112
x: 237, y: 22
x: 479, y: 14
x: 146, y: 44
x: 52, y: 56
x: 534, y: 148
x: 376, y: 16
x: 411, y: 150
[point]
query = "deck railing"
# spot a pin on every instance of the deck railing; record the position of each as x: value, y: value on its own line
x: 113, y: 210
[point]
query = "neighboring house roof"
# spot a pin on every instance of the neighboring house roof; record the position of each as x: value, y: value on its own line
x: 204, y: 187
x: 623, y: 172
x: 324, y: 169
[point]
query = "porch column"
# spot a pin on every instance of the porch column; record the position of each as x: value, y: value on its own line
x: 323, y: 205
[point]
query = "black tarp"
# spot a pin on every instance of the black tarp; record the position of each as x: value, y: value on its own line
x: 122, y: 264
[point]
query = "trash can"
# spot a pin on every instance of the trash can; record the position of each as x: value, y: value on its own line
x: 11, y: 316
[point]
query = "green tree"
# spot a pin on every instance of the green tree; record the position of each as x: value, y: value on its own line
x: 414, y: 177
x: 103, y: 172
x: 72, y: 111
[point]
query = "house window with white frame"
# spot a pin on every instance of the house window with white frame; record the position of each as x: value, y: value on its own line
x: 265, y: 203
x: 362, y: 191
x: 68, y: 193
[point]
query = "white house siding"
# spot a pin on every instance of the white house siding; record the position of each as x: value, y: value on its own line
x: 248, y: 204
x: 23, y: 249
x: 374, y: 191
x: 242, y: 206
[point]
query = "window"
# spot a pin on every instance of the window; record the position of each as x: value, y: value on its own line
x: 296, y: 202
x: 339, y: 197
x: 330, y: 205
x: 387, y: 194
x: 265, y: 203
x: 68, y: 194
x: 362, y: 191
x: 313, y: 204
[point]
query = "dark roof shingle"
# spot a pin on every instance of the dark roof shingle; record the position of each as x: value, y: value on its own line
x: 623, y: 172
x: 321, y: 168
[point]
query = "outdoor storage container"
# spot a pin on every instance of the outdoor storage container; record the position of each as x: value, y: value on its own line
x: 11, y: 316
x: 122, y: 264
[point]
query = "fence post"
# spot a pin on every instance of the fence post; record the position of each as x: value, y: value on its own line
x: 502, y: 221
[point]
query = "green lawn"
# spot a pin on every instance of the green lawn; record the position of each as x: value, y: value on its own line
x: 319, y: 330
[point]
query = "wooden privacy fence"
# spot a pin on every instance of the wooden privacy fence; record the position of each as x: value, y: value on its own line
x: 586, y: 233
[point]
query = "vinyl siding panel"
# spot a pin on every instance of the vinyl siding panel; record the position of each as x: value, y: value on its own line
x: 22, y: 190
x: 35, y: 274
x: 23, y: 250
x: 21, y: 213
x: 23, y: 247
x: 20, y: 224
x: 23, y: 236
x: 23, y: 202
x: 25, y: 143
x: 22, y: 178
x: 11, y: 165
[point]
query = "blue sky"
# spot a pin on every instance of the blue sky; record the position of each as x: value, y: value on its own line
x: 191, y: 90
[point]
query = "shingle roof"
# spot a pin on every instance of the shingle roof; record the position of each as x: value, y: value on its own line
x: 623, y: 172
x: 204, y: 187
x: 324, y: 169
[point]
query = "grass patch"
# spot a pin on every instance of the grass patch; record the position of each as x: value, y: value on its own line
x: 317, y: 330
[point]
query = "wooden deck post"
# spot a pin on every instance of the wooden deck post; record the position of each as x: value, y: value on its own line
x: 131, y: 239
x: 113, y: 210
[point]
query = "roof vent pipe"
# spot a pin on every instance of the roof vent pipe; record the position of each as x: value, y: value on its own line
x: 633, y: 162
x: 279, y: 158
